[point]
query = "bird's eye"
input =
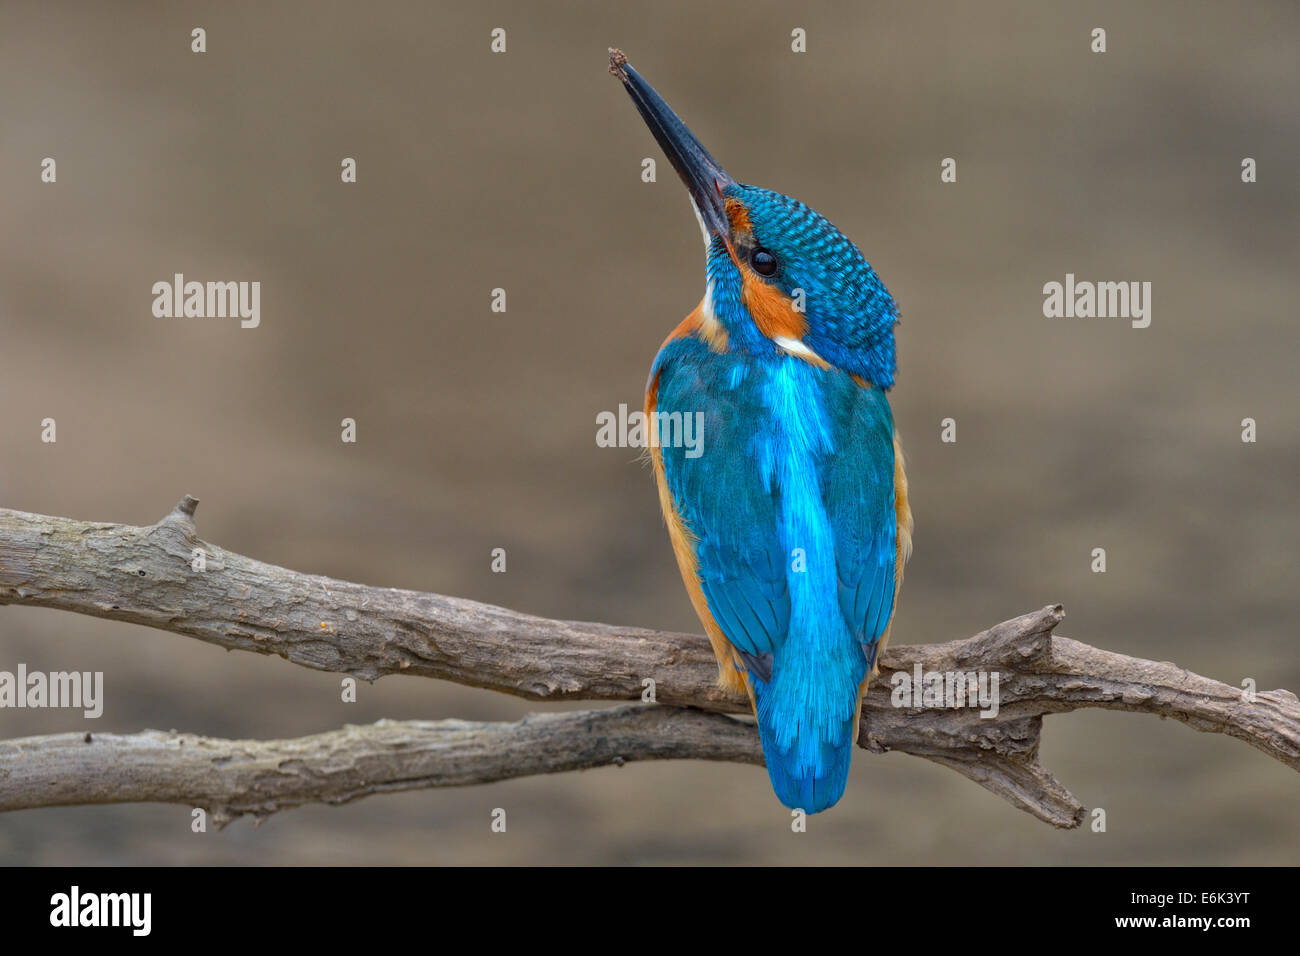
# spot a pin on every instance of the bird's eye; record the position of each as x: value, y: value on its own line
x: 764, y: 262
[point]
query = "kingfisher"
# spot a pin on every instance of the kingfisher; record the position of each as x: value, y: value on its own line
x: 790, y: 519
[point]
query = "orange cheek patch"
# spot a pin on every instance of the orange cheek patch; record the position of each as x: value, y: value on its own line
x: 769, y: 307
x: 738, y: 215
x: 772, y: 311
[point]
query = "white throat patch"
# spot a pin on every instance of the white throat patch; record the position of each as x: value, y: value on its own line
x: 796, y: 348
x: 704, y: 232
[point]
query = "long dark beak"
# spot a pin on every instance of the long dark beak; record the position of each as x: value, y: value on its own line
x: 703, y: 177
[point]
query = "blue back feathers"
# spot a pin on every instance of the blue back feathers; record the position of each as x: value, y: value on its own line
x: 792, y: 505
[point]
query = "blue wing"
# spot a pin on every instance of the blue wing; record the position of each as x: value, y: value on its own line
x: 858, y: 489
x: 720, y: 498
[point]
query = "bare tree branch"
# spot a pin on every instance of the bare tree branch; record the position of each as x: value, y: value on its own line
x: 145, y: 575
x: 261, y: 777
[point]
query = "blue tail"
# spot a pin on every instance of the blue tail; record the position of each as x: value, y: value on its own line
x: 813, y: 784
x: 808, y: 739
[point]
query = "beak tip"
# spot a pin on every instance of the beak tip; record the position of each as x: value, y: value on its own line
x: 617, y: 60
x: 704, y: 179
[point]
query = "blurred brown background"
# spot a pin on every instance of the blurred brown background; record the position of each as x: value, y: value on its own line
x: 477, y: 430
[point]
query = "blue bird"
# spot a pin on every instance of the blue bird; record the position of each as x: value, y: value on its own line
x: 790, y: 520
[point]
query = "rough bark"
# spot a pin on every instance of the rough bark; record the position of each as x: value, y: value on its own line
x: 145, y: 575
x: 260, y: 777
